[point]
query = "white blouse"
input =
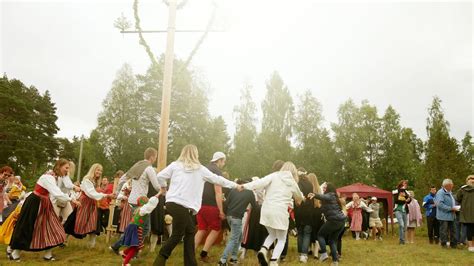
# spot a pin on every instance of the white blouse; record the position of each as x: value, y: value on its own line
x: 88, y: 187
x: 186, y: 186
x: 48, y: 182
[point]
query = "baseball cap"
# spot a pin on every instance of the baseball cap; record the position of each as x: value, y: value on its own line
x: 374, y: 198
x: 217, y: 156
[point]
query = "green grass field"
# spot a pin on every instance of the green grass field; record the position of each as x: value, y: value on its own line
x: 362, y: 252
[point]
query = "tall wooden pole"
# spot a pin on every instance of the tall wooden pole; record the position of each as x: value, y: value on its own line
x: 80, y: 160
x: 167, y: 83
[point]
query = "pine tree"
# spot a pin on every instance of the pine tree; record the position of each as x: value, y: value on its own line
x: 274, y: 139
x: 243, y: 158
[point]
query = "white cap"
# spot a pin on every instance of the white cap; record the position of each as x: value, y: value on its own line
x: 374, y: 198
x: 217, y: 156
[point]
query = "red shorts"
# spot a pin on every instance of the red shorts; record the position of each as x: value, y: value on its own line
x: 208, y: 218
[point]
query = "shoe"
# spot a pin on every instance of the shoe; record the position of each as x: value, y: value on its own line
x: 470, y: 249
x: 205, y: 259
x: 10, y: 257
x: 220, y: 263
x: 52, y: 258
x: 401, y: 242
x: 380, y: 238
x: 233, y: 261
x: 262, y: 256
x: 335, y: 263
x: 273, y: 263
x: 303, y: 258
x: 323, y: 257
x: 116, y: 251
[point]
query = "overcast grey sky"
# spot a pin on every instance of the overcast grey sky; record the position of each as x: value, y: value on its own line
x: 398, y: 53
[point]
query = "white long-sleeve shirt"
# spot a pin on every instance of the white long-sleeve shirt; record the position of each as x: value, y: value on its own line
x: 88, y: 187
x: 140, y: 185
x: 149, y: 206
x: 280, y: 188
x: 48, y: 182
x: 186, y: 186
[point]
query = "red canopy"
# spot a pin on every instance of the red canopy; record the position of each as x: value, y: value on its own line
x: 365, y: 191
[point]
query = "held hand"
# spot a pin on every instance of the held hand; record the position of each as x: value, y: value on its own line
x: 77, y: 189
x: 310, y: 196
x: 77, y: 203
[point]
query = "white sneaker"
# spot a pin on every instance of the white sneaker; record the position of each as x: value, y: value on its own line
x: 262, y: 256
x: 303, y: 258
x: 323, y: 257
x: 471, y: 249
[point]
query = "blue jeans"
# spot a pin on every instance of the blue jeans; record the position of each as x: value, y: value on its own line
x: 304, y: 238
x: 233, y: 244
x: 330, y: 231
x: 402, y: 225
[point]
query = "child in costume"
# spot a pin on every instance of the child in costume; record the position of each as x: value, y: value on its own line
x: 133, y: 235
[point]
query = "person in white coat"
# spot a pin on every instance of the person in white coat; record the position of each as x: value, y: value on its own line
x: 281, y: 187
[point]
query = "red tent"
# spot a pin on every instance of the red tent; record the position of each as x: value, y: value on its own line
x: 365, y: 191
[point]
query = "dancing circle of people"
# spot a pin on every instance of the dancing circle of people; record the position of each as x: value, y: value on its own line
x: 258, y: 211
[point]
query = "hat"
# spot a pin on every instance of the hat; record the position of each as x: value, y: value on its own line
x: 217, y: 156
x: 374, y: 198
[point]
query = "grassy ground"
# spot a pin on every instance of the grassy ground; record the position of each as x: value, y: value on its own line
x: 363, y: 252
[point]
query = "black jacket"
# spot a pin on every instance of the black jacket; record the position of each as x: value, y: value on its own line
x: 330, y: 207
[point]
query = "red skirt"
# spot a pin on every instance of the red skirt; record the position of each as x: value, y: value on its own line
x: 38, y: 227
x: 86, y: 216
x: 125, y: 217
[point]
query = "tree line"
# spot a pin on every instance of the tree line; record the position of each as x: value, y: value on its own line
x: 362, y: 146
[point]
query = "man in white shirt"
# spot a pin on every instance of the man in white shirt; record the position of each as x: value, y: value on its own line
x: 142, y: 174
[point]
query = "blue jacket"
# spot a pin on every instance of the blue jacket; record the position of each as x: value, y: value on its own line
x: 444, y: 203
x: 428, y: 201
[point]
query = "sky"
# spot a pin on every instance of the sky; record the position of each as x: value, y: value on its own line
x: 390, y: 53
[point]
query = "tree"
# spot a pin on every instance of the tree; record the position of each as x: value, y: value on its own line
x: 27, y: 128
x: 468, y: 151
x: 119, y: 129
x: 244, y: 151
x: 443, y: 157
x: 351, y: 145
x: 399, y: 152
x: 315, y: 150
x: 277, y: 108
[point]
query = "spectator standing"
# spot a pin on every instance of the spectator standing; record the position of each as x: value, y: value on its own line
x: 430, y: 212
x: 465, y: 196
x: 445, y: 213
x: 401, y: 200
x: 414, y: 217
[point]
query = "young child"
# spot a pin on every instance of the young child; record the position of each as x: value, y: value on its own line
x: 414, y: 217
x: 236, y: 205
x: 133, y: 235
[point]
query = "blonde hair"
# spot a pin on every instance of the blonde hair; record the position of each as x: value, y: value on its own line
x: 289, y: 166
x: 316, y: 188
x: 91, y: 174
x: 189, y: 157
x: 468, y: 182
x: 72, y: 169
